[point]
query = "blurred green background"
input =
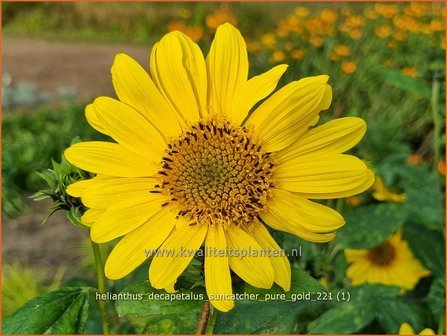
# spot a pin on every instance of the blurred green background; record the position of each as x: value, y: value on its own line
x: 386, y: 64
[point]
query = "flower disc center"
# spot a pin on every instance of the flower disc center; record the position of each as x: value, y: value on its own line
x: 382, y: 255
x: 216, y: 172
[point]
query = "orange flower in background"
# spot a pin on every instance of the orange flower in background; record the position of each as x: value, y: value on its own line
x: 316, y: 41
x: 383, y: 31
x: 409, y: 71
x: 297, y: 54
x: 387, y: 11
x: 328, y: 15
x: 354, y: 201
x: 415, y: 159
x: 194, y: 33
x: 278, y: 56
x: 349, y: 67
x: 342, y: 50
x: 268, y: 40
x: 219, y: 17
x: 253, y: 46
x: 441, y: 167
x: 302, y: 12
x: 437, y: 25
x: 356, y: 33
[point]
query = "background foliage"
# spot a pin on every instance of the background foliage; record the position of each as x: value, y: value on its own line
x: 387, y: 65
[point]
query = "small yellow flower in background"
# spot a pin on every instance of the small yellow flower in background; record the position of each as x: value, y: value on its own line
x: 184, y: 13
x: 415, y: 159
x: 316, y: 41
x: 269, y: 40
x: 302, y: 12
x: 297, y: 54
x: 354, y: 201
x: 278, y: 56
x: 195, y: 33
x: 409, y: 71
x: 383, y: 31
x: 190, y: 170
x: 219, y: 17
x: 437, y: 25
x: 342, y: 50
x: 253, y: 46
x: 355, y: 33
x: 387, y: 11
x: 328, y: 15
x: 400, y: 35
x: 370, y: 13
x: 349, y: 67
x: 382, y: 193
x: 391, y: 263
x: 288, y: 46
x: 392, y: 44
x: 407, y: 329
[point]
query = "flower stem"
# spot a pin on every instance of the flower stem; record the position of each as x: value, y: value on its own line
x: 101, y: 288
x: 211, y: 321
x: 204, y: 317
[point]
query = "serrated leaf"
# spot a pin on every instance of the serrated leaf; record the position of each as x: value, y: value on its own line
x: 370, y: 225
x: 154, y: 302
x: 63, y: 311
x: 391, y: 313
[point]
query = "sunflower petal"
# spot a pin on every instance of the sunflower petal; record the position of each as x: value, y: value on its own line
x: 91, y: 216
x: 336, y: 136
x: 109, y: 159
x: 104, y: 193
x: 178, y: 69
x: 129, y: 128
x: 287, y: 114
x: 134, y: 87
x: 406, y: 329
x: 126, y: 216
x: 327, y: 176
x: 280, y: 263
x: 217, y: 269
x: 93, y: 120
x: 76, y: 189
x: 257, y: 270
x: 136, y: 246
x: 252, y: 91
x: 182, y: 243
x: 227, y: 68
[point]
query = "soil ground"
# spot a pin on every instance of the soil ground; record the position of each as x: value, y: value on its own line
x: 84, y: 67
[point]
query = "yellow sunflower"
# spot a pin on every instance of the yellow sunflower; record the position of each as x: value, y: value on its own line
x: 193, y: 166
x: 407, y: 329
x: 390, y: 263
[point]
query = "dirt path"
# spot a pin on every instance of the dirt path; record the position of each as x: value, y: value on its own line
x: 82, y: 66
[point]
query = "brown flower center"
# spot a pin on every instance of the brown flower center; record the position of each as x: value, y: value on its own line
x: 216, y: 172
x: 382, y: 255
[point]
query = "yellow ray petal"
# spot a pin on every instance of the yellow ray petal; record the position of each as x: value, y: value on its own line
x: 136, y: 246
x: 129, y: 128
x: 182, y: 243
x: 256, y: 270
x: 178, y: 69
x: 217, y: 269
x: 334, y: 137
x: 110, y: 159
x: 280, y: 263
x: 92, y: 118
x: 227, y: 68
x: 76, y: 189
x: 252, y: 91
x: 126, y: 216
x: 406, y: 329
x: 134, y: 87
x: 287, y: 114
x: 298, y: 211
x: 103, y: 194
x: 427, y: 331
x: 326, y: 176
x: 91, y: 216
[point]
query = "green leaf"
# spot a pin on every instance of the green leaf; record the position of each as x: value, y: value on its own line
x: 150, y: 301
x: 436, y: 297
x: 391, y: 313
x: 370, y: 225
x: 182, y: 323
x: 406, y: 83
x: 63, y: 311
x: 428, y: 247
x: 276, y: 315
x: 351, y: 316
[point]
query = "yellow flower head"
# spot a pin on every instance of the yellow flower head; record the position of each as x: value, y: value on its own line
x: 391, y: 263
x: 382, y: 193
x: 194, y: 166
x: 407, y: 329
